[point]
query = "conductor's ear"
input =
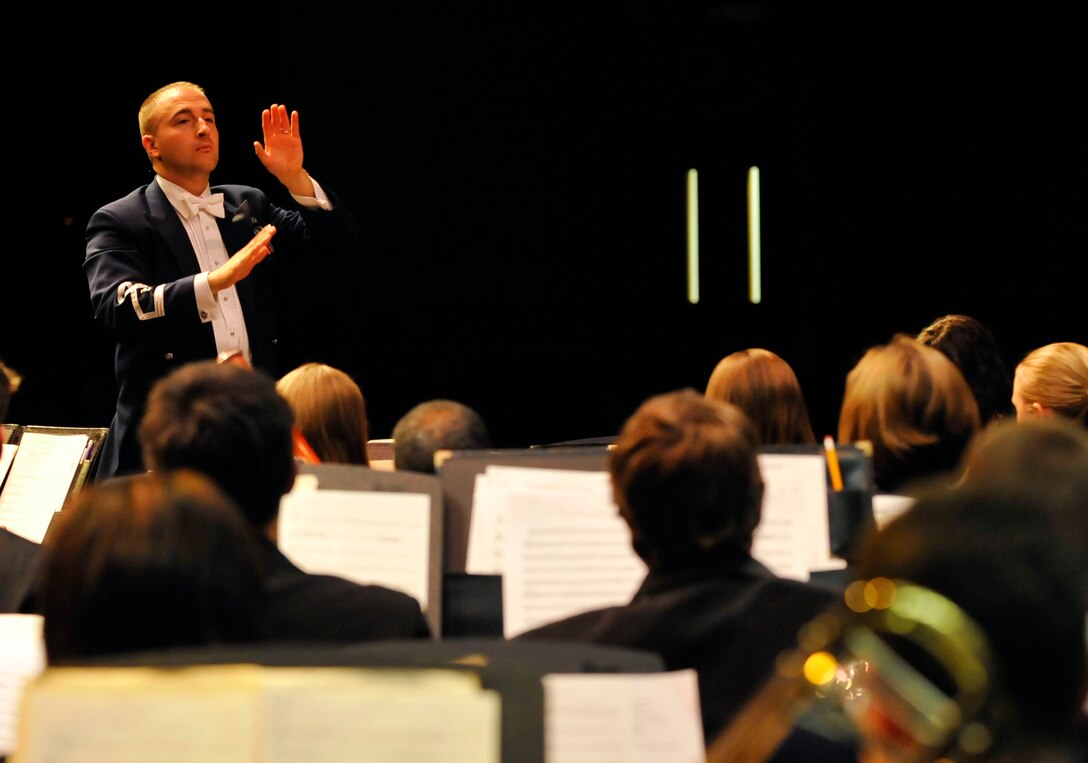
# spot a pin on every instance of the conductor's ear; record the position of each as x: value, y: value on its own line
x: 149, y: 146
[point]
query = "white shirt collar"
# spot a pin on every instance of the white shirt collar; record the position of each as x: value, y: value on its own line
x: 176, y: 194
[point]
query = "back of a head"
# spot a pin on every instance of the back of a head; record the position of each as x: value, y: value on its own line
x: 330, y: 411
x: 912, y: 403
x: 9, y: 384
x: 969, y: 344
x: 999, y: 554
x: 229, y: 423
x: 1055, y: 377
x: 436, y: 425
x: 765, y: 387
x: 686, y: 478
x: 1049, y: 453
x: 149, y: 562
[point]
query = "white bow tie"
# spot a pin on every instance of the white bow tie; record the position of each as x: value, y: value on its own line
x: 212, y: 204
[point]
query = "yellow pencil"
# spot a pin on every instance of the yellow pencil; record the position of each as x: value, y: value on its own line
x: 833, y: 463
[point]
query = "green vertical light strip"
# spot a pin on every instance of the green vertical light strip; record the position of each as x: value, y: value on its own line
x: 693, y: 236
x: 755, y: 264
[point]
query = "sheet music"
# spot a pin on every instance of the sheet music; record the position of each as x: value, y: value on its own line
x: 623, y: 718
x: 7, y: 453
x: 368, y: 537
x: 887, y: 507
x: 232, y: 713
x: 493, y: 494
x: 22, y: 657
x: 485, y: 530
x: 566, y: 551
x: 38, y: 481
x: 141, y: 715
x: 389, y: 716
x: 793, y: 537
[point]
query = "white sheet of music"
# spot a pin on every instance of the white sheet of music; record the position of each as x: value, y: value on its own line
x: 384, y: 716
x: 232, y: 713
x: 623, y: 718
x: 142, y: 715
x: 7, y: 453
x: 38, y: 481
x: 368, y: 537
x: 22, y: 657
x: 887, y: 506
x: 792, y: 537
x: 566, y: 551
x: 493, y: 494
x: 485, y: 529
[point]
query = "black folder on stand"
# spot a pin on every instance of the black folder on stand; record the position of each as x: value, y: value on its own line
x: 331, y: 476
x: 850, y: 510
x: 472, y: 602
x: 77, y: 478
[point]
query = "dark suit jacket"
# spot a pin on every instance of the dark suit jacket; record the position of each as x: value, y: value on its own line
x: 727, y: 618
x: 326, y: 608
x: 20, y: 560
x: 139, y: 239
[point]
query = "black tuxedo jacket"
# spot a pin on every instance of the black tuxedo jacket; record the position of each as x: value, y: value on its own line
x: 20, y: 562
x: 726, y: 618
x: 140, y: 269
x: 325, y: 608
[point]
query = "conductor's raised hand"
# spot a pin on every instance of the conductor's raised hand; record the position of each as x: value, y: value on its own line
x: 281, y: 150
x: 243, y: 261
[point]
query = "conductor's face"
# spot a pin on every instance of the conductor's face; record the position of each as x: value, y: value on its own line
x: 183, y: 143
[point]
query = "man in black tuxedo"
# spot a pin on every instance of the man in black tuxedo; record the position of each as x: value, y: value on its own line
x: 177, y: 269
x: 686, y: 479
x: 230, y: 423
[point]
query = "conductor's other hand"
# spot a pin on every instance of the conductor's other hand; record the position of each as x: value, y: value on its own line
x: 281, y: 151
x: 243, y: 261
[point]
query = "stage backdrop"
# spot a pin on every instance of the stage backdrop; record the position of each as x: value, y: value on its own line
x: 519, y: 172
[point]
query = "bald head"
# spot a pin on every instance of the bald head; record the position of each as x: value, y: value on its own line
x: 432, y: 426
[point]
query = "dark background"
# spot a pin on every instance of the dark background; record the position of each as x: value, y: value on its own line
x: 518, y: 170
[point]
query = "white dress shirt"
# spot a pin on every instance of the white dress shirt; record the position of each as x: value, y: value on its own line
x: 222, y: 310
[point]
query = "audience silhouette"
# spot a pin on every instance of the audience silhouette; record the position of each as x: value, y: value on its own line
x: 230, y: 423
x: 1002, y: 554
x: 971, y: 346
x: 434, y: 426
x: 1052, y: 380
x: 997, y: 526
x: 961, y: 637
x: 765, y: 387
x: 914, y: 408
x: 686, y: 478
x: 330, y: 412
x: 148, y: 562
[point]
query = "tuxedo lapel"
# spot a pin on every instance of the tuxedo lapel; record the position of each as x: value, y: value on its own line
x: 164, y: 218
x: 238, y: 225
